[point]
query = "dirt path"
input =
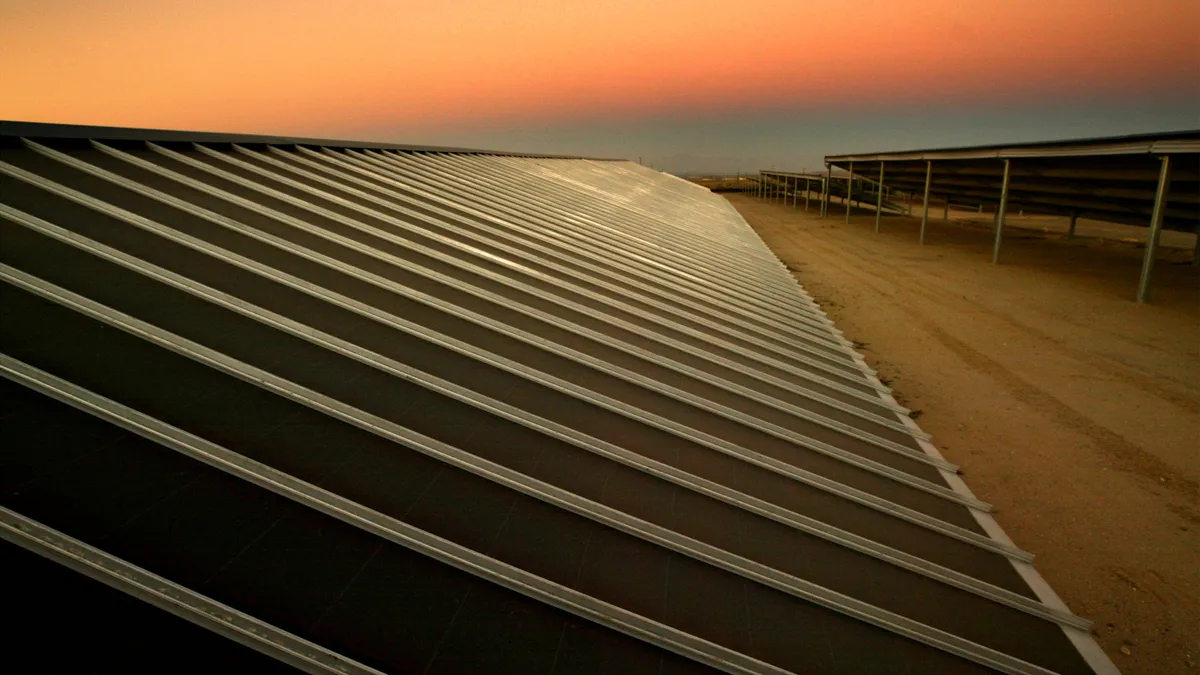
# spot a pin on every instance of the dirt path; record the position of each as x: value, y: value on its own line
x: 1072, y: 409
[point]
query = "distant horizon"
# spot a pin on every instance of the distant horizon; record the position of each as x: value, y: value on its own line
x: 689, y: 86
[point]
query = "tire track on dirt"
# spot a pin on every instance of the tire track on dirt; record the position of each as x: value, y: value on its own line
x: 1126, y: 372
x: 1125, y: 455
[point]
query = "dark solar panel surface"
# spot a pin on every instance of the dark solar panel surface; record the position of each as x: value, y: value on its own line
x: 351, y: 591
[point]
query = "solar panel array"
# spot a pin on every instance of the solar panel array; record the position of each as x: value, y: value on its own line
x: 1112, y: 179
x: 377, y: 410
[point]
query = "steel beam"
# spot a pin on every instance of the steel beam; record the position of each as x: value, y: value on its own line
x: 849, y: 190
x: 925, y: 207
x: 1071, y: 226
x: 1000, y: 212
x: 1160, y: 201
x: 825, y: 190
x: 879, y: 199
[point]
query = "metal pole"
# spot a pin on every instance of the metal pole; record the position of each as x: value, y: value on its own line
x: 925, y: 209
x: 1071, y: 227
x: 807, y: 191
x: 795, y: 191
x: 825, y: 192
x: 849, y: 190
x: 946, y: 209
x: 879, y: 199
x: 1000, y: 213
x: 1196, y: 250
x: 1156, y: 221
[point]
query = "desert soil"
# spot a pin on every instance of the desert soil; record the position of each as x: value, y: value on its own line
x: 1070, y: 408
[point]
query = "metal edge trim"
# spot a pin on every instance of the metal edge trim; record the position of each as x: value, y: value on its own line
x: 398, y: 532
x: 159, y: 592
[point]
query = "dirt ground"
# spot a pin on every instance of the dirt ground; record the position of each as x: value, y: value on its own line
x: 1070, y: 408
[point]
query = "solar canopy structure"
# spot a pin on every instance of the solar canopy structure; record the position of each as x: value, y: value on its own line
x: 1150, y: 180
x: 785, y: 186
x: 385, y: 409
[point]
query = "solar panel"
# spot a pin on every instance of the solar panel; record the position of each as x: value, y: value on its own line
x: 461, y: 411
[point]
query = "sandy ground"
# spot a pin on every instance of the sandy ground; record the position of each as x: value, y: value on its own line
x: 1072, y: 409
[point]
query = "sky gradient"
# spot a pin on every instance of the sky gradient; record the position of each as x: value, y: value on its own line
x: 688, y: 85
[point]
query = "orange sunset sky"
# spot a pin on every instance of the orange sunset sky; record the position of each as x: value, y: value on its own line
x: 724, y: 80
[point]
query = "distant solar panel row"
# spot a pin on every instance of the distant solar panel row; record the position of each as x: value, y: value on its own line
x: 375, y: 410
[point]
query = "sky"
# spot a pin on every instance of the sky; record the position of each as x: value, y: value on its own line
x: 689, y: 86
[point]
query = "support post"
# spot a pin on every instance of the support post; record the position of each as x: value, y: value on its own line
x: 825, y: 192
x: 849, y: 190
x: 946, y: 209
x: 1196, y: 250
x: 807, y: 192
x: 1071, y: 226
x: 879, y: 198
x: 795, y: 191
x: 925, y: 208
x: 1156, y: 221
x: 1000, y: 213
